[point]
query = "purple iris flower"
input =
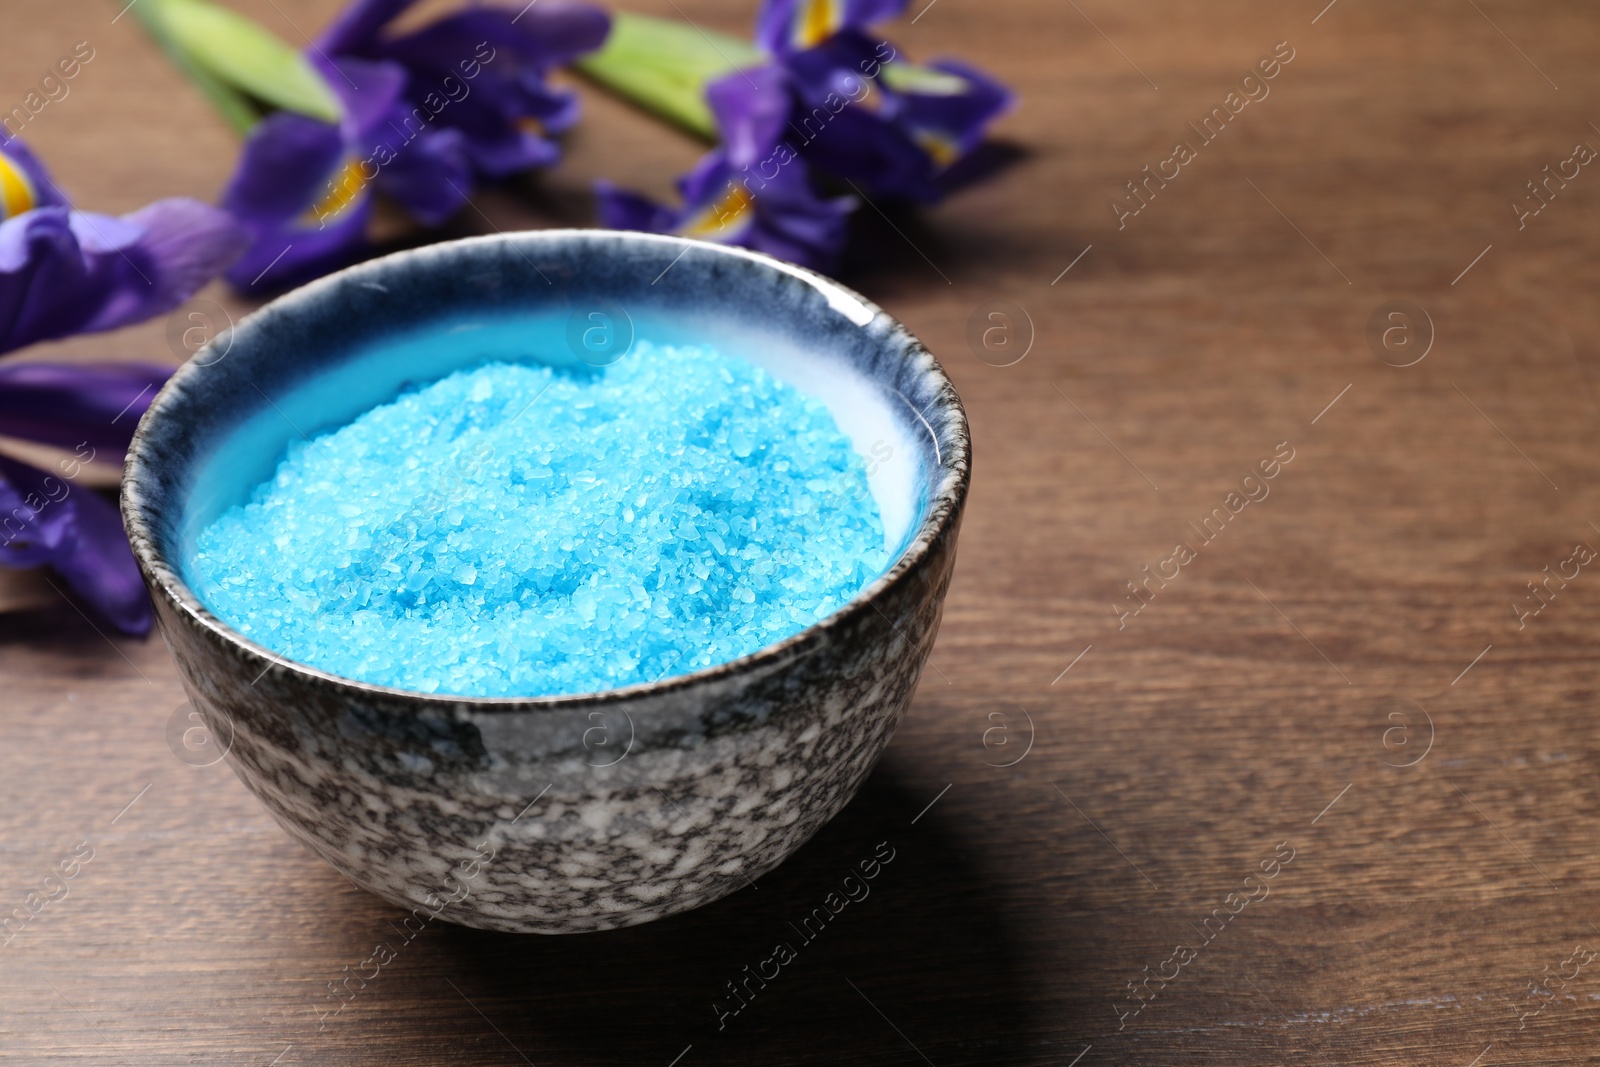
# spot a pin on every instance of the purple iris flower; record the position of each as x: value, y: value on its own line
x: 863, y: 114
x: 427, y: 115
x: 481, y: 73
x: 47, y: 519
x: 752, y: 191
x: 91, y: 408
x: 782, y: 217
x: 832, y: 102
x: 65, y: 272
x: 300, y: 187
x: 898, y: 135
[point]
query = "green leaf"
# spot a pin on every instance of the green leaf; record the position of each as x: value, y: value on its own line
x: 910, y: 78
x: 239, y: 53
x: 663, y: 65
x: 234, y: 105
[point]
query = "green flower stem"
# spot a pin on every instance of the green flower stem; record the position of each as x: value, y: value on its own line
x: 241, y: 67
x: 232, y: 105
x: 663, y: 65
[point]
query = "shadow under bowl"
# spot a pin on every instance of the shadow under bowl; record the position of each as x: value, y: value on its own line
x: 590, y: 811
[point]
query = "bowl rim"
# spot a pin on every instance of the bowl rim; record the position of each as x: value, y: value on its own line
x: 940, y: 517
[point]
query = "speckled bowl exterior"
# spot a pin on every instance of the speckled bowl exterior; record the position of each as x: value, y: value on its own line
x: 572, y: 813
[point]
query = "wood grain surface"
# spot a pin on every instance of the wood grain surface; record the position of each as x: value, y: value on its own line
x: 1340, y: 675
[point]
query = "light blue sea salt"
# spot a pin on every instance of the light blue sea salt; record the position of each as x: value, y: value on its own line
x: 514, y: 530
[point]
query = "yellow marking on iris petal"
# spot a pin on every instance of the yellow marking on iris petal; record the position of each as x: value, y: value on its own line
x: 16, y: 190
x: 724, y: 215
x: 344, y: 190
x: 529, y: 124
x: 817, y: 20
x: 944, y: 150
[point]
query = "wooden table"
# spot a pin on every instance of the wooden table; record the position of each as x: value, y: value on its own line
x: 1340, y: 675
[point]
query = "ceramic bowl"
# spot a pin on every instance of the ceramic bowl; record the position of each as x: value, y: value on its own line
x: 569, y: 813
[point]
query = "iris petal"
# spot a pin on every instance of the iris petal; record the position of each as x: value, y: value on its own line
x: 65, y: 272
x: 482, y: 72
x: 289, y: 165
x: 287, y: 255
x: 31, y: 533
x: 899, y: 136
x: 430, y: 177
x: 427, y: 113
x: 79, y: 535
x: 357, y: 27
x: 283, y: 168
x: 725, y: 219
x: 73, y: 404
x: 957, y: 118
x: 180, y: 245
x: 781, y: 216
x: 368, y: 91
x: 752, y: 108
x: 622, y: 209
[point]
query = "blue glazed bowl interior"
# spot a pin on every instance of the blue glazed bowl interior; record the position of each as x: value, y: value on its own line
x: 320, y: 357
